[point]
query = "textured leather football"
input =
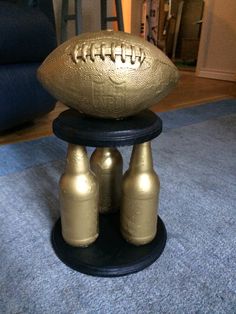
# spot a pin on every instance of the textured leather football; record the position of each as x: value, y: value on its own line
x: 108, y: 74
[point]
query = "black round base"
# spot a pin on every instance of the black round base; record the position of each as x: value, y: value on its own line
x: 74, y: 127
x: 110, y: 255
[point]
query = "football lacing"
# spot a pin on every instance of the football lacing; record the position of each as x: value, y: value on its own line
x: 122, y: 50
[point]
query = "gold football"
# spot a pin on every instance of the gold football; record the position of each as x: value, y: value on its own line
x: 108, y: 74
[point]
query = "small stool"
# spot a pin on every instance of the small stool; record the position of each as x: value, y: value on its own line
x: 110, y: 255
x: 118, y: 18
x: 77, y: 17
x: 65, y: 17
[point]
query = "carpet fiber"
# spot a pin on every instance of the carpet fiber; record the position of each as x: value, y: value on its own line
x: 195, y: 158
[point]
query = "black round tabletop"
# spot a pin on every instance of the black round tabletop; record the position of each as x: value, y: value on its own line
x: 76, y: 128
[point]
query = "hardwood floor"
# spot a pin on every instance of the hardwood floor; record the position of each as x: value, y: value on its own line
x: 191, y: 90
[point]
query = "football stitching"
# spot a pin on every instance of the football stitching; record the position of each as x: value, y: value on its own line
x: 85, y: 52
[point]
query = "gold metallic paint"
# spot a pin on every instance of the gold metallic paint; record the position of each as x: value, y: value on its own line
x: 78, y: 199
x: 140, y: 197
x: 107, y: 164
x: 108, y: 74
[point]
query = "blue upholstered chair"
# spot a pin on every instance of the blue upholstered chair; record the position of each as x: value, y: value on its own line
x: 27, y: 36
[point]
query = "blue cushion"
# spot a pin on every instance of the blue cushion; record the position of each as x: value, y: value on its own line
x: 22, y: 97
x: 27, y: 35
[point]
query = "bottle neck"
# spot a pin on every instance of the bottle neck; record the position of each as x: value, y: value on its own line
x: 77, y: 159
x: 141, y: 158
x: 106, y: 151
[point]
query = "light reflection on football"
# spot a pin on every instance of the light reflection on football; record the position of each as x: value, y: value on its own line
x: 108, y: 74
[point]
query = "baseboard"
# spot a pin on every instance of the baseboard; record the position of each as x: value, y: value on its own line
x: 216, y: 74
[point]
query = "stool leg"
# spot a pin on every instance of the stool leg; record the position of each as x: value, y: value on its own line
x: 140, y: 197
x: 78, y: 17
x: 64, y: 13
x: 119, y: 15
x: 107, y: 164
x: 103, y: 10
x: 78, y: 191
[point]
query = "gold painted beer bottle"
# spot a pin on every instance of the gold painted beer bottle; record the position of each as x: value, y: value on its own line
x: 107, y: 164
x: 78, y: 199
x: 140, y: 197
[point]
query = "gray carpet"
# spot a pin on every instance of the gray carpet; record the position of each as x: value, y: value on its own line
x: 195, y: 158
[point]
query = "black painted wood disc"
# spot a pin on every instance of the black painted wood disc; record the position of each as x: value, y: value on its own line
x: 74, y: 127
x: 110, y: 255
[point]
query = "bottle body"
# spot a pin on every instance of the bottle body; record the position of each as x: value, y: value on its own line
x: 140, y: 197
x: 107, y: 164
x: 78, y: 199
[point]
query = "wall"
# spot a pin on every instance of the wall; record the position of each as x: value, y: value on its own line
x: 135, y: 16
x: 217, y: 51
x: 127, y: 12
